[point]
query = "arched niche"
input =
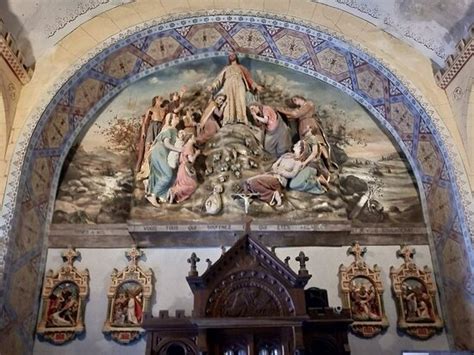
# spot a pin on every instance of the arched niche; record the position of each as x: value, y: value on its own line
x: 38, y: 159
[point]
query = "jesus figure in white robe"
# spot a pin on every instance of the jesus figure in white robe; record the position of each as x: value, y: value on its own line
x: 234, y: 81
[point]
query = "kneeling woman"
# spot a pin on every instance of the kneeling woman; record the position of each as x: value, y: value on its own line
x: 186, y: 181
x: 270, y: 185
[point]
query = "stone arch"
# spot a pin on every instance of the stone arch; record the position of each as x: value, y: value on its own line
x: 38, y: 160
x: 470, y: 126
x: 3, y: 124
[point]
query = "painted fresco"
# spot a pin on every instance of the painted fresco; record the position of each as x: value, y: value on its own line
x: 216, y: 139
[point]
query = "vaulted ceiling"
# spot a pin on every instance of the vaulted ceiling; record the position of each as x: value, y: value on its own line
x: 434, y: 27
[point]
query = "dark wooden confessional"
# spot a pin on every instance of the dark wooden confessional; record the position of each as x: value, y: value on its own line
x: 250, y: 302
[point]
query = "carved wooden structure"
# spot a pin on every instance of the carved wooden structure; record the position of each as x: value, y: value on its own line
x: 249, y: 302
x: 128, y: 300
x: 415, y: 295
x: 362, y: 291
x: 63, y: 301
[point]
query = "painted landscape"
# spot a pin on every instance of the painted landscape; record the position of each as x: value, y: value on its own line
x: 356, y: 173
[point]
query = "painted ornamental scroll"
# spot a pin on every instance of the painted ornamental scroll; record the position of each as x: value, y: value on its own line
x: 129, y: 297
x: 415, y: 295
x: 362, y: 291
x: 63, y: 301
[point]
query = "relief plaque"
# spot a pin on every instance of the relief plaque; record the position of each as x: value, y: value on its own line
x: 128, y: 300
x: 63, y: 301
x: 362, y: 290
x: 414, y: 291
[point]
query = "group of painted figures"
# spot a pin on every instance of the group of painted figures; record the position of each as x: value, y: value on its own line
x: 63, y: 306
x: 166, y: 155
x: 127, y: 307
x: 365, y: 306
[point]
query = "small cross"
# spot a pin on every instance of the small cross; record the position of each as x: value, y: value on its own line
x: 302, y: 259
x: 133, y: 255
x: 193, y: 260
x: 209, y: 263
x: 287, y: 261
x: 357, y: 251
x: 70, y: 255
x: 406, y: 253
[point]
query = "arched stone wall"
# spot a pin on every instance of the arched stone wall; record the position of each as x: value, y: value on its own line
x: 3, y: 125
x: 38, y: 159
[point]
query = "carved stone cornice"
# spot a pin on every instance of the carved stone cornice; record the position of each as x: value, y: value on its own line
x: 13, y: 56
x: 455, y: 62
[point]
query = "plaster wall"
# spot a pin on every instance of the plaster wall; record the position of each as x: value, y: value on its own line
x: 10, y: 88
x: 460, y: 97
x: 172, y: 292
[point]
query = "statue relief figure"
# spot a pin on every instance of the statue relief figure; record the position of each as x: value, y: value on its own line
x: 364, y: 301
x: 152, y: 122
x: 128, y: 305
x: 304, y: 114
x: 277, y: 140
x: 63, y: 306
x: 270, y: 186
x: 416, y: 300
x: 234, y: 81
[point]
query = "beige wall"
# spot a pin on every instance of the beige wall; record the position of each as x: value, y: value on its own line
x: 460, y: 95
x: 10, y: 88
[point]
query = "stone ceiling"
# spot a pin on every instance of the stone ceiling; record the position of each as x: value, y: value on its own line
x: 432, y: 26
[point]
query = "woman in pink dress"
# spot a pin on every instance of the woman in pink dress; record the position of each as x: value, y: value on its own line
x: 186, y: 181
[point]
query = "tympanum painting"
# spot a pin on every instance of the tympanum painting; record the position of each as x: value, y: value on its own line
x: 215, y: 139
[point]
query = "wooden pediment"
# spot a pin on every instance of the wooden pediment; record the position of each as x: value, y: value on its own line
x: 249, y: 281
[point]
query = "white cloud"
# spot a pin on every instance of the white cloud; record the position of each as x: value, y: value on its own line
x: 154, y: 80
x: 193, y: 76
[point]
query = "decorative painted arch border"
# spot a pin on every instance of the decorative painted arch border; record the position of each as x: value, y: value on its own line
x: 52, y: 128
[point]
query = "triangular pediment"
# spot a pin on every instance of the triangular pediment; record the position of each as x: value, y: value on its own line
x: 249, y: 281
x: 248, y: 254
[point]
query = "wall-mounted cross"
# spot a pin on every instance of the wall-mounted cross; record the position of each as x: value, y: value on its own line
x: 406, y: 253
x: 70, y: 255
x: 134, y: 255
x: 357, y: 251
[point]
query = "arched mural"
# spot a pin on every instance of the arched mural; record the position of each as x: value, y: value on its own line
x: 355, y: 171
x: 36, y: 167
